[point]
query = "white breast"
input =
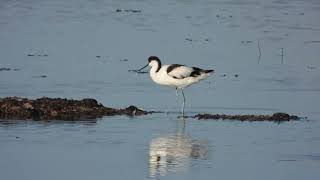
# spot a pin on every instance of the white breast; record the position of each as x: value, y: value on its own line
x: 161, y: 77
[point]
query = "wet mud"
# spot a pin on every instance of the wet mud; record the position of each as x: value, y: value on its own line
x: 60, y: 109
x: 280, y: 116
x: 68, y: 109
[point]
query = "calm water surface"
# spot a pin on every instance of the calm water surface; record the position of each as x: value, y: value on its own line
x: 159, y: 147
x: 84, y: 48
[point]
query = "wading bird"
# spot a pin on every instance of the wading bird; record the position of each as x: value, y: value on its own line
x: 175, y: 75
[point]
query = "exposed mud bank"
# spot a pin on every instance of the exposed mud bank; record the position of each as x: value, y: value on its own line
x: 69, y: 109
x: 274, y: 117
x: 57, y: 108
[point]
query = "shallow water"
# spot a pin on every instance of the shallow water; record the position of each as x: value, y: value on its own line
x: 79, y: 49
x: 159, y: 147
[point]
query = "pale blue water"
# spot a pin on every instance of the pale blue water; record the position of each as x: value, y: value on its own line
x: 159, y: 147
x: 223, y: 35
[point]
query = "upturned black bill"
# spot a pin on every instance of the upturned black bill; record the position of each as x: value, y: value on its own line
x: 143, y: 67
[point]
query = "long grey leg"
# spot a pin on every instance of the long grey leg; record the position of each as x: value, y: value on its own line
x: 176, y: 92
x: 184, y: 102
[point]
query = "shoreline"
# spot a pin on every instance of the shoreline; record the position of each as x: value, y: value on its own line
x: 45, y: 108
x: 60, y: 109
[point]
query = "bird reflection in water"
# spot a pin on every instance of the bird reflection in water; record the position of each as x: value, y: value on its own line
x: 175, y: 152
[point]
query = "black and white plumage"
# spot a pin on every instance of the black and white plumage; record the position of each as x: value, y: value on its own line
x: 175, y: 75
x: 179, y: 71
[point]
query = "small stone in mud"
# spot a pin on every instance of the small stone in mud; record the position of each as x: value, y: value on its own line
x: 133, y: 110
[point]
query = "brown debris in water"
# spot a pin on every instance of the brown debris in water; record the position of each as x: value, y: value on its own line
x: 58, y: 108
x: 275, y: 117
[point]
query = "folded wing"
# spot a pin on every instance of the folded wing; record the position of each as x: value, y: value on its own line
x: 179, y: 71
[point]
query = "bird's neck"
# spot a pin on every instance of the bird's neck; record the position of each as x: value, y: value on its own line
x: 154, y: 73
x: 155, y: 68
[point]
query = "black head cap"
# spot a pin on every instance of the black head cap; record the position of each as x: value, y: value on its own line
x: 151, y: 58
x: 155, y: 58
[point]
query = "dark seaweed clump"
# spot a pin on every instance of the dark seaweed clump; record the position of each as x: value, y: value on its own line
x: 60, y: 109
x: 274, y: 117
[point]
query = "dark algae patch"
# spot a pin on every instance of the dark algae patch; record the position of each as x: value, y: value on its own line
x: 274, y: 117
x: 5, y: 69
x: 60, y: 109
x: 39, y: 55
x: 68, y: 109
x: 40, y: 76
x: 8, y: 69
x: 129, y: 10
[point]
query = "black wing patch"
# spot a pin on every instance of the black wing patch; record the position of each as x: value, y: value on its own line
x: 196, y: 72
x: 172, y: 67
